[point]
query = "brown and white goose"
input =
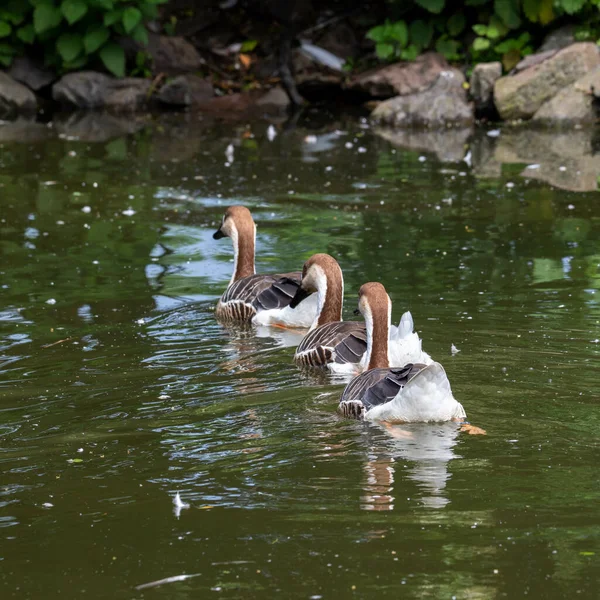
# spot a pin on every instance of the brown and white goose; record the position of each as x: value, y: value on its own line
x: 342, y: 346
x: 257, y: 299
x: 330, y: 342
x: 413, y: 393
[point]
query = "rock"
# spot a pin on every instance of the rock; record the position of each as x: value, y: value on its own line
x: 248, y: 104
x: 15, y: 98
x: 274, y: 99
x: 401, y: 78
x: 482, y: 86
x: 89, y: 89
x: 559, y: 38
x: 170, y: 55
x: 443, y: 104
x: 95, y: 126
x: 532, y: 59
x: 520, y: 96
x: 31, y: 73
x: 573, y: 104
x: 186, y: 90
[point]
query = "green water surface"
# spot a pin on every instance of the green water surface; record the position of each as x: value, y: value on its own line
x: 118, y: 388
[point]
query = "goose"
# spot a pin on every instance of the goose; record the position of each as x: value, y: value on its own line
x: 257, y: 299
x: 415, y: 392
x: 342, y: 346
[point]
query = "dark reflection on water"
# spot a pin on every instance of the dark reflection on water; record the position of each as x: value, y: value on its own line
x: 118, y: 389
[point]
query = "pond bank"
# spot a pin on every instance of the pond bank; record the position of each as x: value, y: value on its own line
x: 553, y: 88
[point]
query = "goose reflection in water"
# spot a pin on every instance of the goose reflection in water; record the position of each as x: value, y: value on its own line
x: 427, y: 450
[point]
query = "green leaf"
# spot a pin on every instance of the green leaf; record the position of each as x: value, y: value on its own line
x: 149, y: 11
x: 410, y: 53
x: 399, y: 33
x: 384, y: 50
x: 249, y: 45
x: 6, y: 54
x: 5, y: 29
x: 95, y: 37
x: 69, y: 46
x: 480, y: 44
x: 14, y: 13
x: 421, y: 33
x: 506, y: 46
x: 456, y: 24
x: 496, y: 29
x: 448, y: 48
x: 480, y: 29
x: 45, y: 17
x: 113, y: 57
x: 26, y: 34
x: 433, y: 6
x: 139, y: 34
x: 508, y: 11
x: 377, y: 34
x: 572, y: 6
x: 131, y: 17
x: 73, y: 10
x: 104, y: 4
x: 112, y: 17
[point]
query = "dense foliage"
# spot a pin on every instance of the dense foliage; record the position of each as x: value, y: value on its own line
x: 479, y: 29
x: 72, y: 33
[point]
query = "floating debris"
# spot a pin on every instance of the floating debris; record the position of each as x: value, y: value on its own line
x: 86, y: 209
x: 454, y: 350
x: 51, y: 301
x: 271, y: 133
x: 129, y: 212
x: 158, y: 582
x: 179, y: 505
x: 493, y: 133
x: 229, y: 153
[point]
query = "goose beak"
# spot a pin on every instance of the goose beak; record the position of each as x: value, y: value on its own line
x: 218, y: 234
x: 301, y: 293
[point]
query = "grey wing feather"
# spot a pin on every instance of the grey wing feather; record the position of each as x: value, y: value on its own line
x: 264, y: 292
x: 379, y: 386
x: 280, y: 293
x: 345, y: 340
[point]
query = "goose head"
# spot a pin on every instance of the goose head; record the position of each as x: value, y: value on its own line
x: 322, y: 274
x: 235, y: 220
x: 376, y: 307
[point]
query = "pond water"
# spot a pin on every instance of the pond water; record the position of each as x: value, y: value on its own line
x: 118, y: 388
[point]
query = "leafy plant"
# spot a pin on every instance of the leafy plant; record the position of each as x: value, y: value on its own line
x: 73, y: 33
x: 505, y: 29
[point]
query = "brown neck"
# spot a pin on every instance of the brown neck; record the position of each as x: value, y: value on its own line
x: 331, y: 298
x: 378, y: 329
x: 243, y: 250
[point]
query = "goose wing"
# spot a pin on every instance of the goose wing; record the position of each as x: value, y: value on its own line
x: 375, y: 387
x: 264, y: 292
x: 347, y: 340
x: 280, y: 292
